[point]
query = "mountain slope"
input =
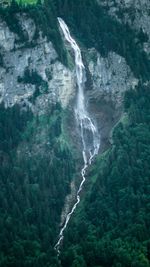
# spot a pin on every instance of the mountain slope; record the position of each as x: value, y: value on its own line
x: 112, y: 227
x: 40, y: 145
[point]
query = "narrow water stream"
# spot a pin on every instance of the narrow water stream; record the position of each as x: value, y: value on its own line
x: 88, y: 130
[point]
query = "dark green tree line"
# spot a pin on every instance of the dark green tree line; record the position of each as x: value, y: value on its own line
x: 113, y: 227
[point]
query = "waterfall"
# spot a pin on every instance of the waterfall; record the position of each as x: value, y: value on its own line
x: 89, y: 134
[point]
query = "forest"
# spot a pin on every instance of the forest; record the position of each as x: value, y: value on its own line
x: 33, y: 186
x: 112, y: 227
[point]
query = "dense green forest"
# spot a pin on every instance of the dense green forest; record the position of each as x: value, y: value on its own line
x: 34, y: 182
x: 112, y: 225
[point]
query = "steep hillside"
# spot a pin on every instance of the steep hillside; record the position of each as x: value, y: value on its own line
x: 112, y: 226
x: 36, y: 156
x: 41, y: 143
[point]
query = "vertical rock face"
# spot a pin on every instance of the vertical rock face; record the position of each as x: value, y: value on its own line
x: 7, y: 38
x: 31, y: 74
x: 111, y: 77
x: 31, y: 65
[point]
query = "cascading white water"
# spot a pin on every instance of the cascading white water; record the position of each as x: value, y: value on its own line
x: 89, y: 133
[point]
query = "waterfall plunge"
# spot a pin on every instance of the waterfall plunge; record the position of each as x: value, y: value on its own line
x: 89, y: 133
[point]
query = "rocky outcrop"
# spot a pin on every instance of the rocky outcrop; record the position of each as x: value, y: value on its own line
x: 31, y: 74
x: 29, y: 66
x: 33, y: 64
x: 111, y: 77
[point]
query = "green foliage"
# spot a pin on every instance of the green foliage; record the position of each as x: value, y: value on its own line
x: 8, y: 14
x: 7, y: 3
x: 12, y: 124
x: 32, y: 77
x: 113, y: 226
x: 34, y: 178
x: 45, y: 19
x: 1, y: 61
x: 27, y: 2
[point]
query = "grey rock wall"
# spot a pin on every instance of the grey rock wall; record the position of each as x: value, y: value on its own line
x: 38, y: 57
x: 111, y: 77
x: 24, y: 63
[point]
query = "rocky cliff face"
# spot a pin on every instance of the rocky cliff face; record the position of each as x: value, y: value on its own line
x: 110, y: 78
x: 21, y: 61
x: 31, y: 74
x: 30, y: 67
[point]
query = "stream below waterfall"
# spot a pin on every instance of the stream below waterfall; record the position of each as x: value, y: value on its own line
x: 89, y: 133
